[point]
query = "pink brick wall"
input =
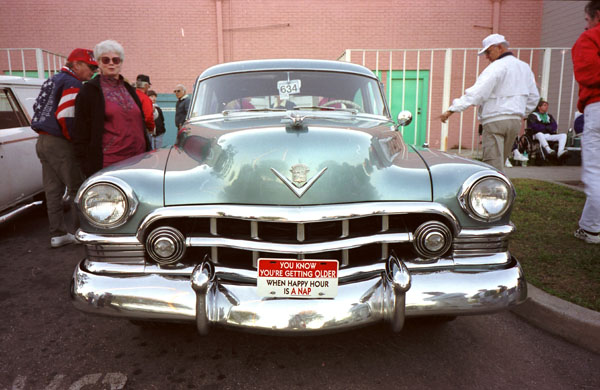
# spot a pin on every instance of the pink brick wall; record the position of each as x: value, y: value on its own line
x: 151, y: 31
x: 175, y: 41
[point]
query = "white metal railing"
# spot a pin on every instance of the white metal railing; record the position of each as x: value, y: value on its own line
x: 450, y: 71
x: 26, y: 61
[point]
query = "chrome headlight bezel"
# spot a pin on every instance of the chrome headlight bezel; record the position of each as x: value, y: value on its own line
x: 131, y: 201
x: 472, y: 185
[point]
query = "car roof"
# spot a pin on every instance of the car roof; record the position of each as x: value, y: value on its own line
x: 18, y: 80
x: 285, y: 64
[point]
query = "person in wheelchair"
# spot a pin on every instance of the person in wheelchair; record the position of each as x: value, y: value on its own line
x: 543, y: 128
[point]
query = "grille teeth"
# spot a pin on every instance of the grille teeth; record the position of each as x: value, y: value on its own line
x: 171, y: 235
x: 426, y: 230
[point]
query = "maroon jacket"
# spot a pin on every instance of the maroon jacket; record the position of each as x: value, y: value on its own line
x: 586, y: 65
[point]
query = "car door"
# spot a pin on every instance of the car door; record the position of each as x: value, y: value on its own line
x: 20, y: 169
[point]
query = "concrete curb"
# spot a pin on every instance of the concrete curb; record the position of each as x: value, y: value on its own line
x: 574, y: 323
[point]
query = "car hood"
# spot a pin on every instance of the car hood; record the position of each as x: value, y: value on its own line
x: 317, y: 162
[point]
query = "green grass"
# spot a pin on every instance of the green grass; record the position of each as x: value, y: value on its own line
x: 546, y: 216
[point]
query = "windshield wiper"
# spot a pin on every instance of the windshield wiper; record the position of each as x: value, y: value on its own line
x: 227, y: 112
x: 319, y: 108
x: 324, y: 108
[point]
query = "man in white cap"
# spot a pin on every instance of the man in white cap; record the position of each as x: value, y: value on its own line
x: 505, y: 93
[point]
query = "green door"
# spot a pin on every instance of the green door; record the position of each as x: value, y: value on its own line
x: 404, y: 97
x: 166, y: 102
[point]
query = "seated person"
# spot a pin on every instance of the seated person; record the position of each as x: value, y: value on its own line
x: 283, y: 104
x: 239, y: 104
x: 543, y: 128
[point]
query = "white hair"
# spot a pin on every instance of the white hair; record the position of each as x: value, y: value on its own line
x: 108, y: 46
x: 182, y: 87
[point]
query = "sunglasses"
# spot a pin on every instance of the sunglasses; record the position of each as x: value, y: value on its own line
x: 177, y: 91
x: 106, y: 60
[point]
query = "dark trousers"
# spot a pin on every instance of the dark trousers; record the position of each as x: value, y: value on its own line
x: 59, y: 172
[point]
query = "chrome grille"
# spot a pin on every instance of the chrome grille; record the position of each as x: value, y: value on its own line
x: 466, y: 246
x: 357, y: 234
x: 117, y: 253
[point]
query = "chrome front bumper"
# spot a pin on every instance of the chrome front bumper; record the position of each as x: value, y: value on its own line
x: 225, y: 297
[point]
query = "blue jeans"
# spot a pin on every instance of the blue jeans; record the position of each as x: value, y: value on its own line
x: 157, y: 141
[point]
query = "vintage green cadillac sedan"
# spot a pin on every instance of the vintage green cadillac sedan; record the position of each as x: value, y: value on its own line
x: 291, y: 204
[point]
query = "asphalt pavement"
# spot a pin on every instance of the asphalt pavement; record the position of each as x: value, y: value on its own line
x: 572, y: 322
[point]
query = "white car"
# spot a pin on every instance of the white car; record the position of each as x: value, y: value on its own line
x: 20, y: 168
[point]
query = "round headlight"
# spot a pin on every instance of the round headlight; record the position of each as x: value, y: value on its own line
x: 104, y: 205
x: 490, y: 198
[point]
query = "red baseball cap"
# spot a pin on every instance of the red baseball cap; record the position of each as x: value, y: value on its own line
x: 83, y: 55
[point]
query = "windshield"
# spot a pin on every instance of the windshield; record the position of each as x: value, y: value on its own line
x: 288, y: 90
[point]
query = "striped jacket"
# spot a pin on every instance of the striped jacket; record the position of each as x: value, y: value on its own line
x: 54, y: 108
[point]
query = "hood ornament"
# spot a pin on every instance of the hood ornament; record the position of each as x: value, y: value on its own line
x: 299, y: 184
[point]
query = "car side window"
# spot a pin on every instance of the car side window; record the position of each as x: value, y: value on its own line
x: 11, y: 114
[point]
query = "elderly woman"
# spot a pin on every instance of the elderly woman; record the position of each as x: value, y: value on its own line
x: 109, y: 123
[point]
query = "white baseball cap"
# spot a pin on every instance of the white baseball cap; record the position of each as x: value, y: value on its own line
x: 491, y: 40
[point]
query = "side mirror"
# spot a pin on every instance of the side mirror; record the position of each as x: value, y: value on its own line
x: 404, y: 118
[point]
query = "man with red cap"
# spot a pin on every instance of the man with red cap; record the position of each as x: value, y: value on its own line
x: 53, y: 120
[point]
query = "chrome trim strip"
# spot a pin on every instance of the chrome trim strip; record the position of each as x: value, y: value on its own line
x: 482, y: 259
x: 122, y: 269
x: 358, y: 303
x: 8, y: 216
x: 249, y: 275
x: 298, y: 214
x: 481, y: 244
x: 464, y: 235
x: 264, y: 246
x: 114, y: 252
x: 490, y: 231
x: 90, y: 238
x: 12, y: 141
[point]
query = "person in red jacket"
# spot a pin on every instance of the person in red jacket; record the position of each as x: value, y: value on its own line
x: 142, y: 85
x: 586, y: 66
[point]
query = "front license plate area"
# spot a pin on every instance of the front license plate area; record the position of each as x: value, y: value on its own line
x: 289, y: 278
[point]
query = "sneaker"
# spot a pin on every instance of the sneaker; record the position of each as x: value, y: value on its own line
x: 590, y: 238
x: 59, y: 241
x: 507, y: 164
x: 550, y: 152
x: 562, y: 153
x: 517, y: 156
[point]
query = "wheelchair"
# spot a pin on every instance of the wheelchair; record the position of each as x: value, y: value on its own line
x: 527, y: 143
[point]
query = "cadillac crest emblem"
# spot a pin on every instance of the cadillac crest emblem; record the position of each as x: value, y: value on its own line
x: 299, y: 183
x: 299, y: 172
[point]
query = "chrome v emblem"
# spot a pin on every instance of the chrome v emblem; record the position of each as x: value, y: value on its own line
x: 299, y: 185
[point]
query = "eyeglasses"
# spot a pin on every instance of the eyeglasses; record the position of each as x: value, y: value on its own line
x: 106, y: 60
x: 93, y: 68
x: 177, y: 91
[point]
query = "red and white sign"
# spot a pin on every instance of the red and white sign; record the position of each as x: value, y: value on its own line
x: 289, y: 278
